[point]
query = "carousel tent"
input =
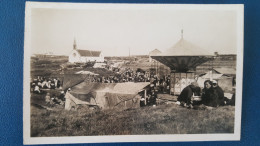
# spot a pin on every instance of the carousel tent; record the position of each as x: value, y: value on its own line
x: 183, y: 56
x: 182, y: 59
x: 106, y: 95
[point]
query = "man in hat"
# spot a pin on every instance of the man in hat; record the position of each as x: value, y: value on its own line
x: 219, y: 91
x: 187, y: 93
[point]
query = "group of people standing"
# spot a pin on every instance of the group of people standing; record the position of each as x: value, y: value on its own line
x: 211, y: 95
x: 161, y: 85
x: 126, y: 75
x: 44, y: 83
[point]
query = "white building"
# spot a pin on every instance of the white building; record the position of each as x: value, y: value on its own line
x: 152, y: 53
x: 83, y: 56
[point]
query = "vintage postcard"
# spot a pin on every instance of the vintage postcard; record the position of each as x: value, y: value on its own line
x: 132, y: 72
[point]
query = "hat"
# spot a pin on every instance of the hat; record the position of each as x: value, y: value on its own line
x: 195, y: 84
x: 214, y: 82
x: 69, y: 89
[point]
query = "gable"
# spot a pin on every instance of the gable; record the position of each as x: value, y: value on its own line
x: 74, y: 54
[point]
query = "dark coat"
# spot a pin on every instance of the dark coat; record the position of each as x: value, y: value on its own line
x: 210, y: 97
x: 186, y: 95
x: 220, y: 93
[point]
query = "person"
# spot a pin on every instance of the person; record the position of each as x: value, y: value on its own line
x: 210, y: 95
x: 58, y: 84
x: 219, y: 91
x: 52, y: 84
x: 32, y: 86
x: 187, y: 93
x: 233, y: 100
x: 196, y: 92
x: 37, y: 89
x: 142, y: 100
x: 164, y: 87
x: 48, y: 98
x: 153, y: 97
x: 62, y: 96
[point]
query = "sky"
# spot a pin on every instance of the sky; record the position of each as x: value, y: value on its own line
x: 116, y: 31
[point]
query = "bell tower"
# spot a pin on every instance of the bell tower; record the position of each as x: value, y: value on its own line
x: 74, y: 45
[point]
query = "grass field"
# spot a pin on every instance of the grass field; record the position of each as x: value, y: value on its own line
x: 163, y: 119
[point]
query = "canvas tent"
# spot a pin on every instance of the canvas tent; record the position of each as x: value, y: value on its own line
x: 72, y: 80
x: 106, y: 95
x: 99, y: 65
x: 86, y: 73
x: 226, y: 70
x: 224, y: 81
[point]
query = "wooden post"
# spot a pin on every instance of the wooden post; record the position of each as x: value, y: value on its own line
x: 145, y: 97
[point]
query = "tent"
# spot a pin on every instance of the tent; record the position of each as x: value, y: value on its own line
x: 182, y: 59
x: 106, y: 95
x: 226, y: 70
x: 183, y: 56
x: 224, y: 81
x: 86, y: 73
x: 72, y: 80
x: 99, y: 65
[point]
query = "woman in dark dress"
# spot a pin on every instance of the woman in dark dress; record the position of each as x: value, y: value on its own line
x: 210, y: 95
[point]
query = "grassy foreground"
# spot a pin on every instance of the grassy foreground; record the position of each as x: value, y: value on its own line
x: 163, y: 119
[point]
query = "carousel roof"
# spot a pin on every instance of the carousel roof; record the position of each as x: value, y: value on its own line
x: 183, y: 56
x: 184, y: 48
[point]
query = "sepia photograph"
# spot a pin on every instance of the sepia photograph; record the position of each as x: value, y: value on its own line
x: 132, y: 72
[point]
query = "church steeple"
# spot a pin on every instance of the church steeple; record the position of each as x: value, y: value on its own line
x: 182, y: 33
x: 74, y: 45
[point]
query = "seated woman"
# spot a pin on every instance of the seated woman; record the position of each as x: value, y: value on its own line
x: 219, y: 91
x: 210, y: 95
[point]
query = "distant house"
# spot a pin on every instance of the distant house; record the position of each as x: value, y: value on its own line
x: 83, y: 56
x: 152, y: 53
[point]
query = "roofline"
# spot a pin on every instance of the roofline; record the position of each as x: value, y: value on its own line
x: 181, y: 55
x: 227, y: 54
x: 88, y: 50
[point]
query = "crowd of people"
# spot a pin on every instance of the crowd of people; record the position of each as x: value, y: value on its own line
x: 127, y: 75
x: 40, y: 83
x: 211, y: 95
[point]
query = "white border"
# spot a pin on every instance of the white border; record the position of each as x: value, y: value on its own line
x: 239, y: 8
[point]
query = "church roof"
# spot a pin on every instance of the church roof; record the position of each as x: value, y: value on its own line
x: 89, y: 53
